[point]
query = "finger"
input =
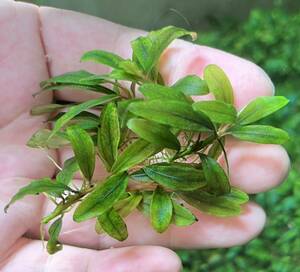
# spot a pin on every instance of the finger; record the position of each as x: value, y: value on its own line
x: 74, y: 259
x: 254, y: 167
x: 208, y: 232
x: 22, y: 67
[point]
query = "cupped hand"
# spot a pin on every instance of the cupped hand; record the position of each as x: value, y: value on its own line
x: 37, y: 43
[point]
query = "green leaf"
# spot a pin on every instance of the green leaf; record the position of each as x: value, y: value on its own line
x: 134, y: 154
x: 109, y: 135
x: 260, y: 108
x: 53, y: 245
x: 147, y: 50
x: 42, y: 109
x: 69, y: 169
x: 221, y: 206
x: 45, y: 185
x: 259, y: 134
x: 156, y: 91
x: 118, y: 74
x: 113, y: 224
x: 84, y: 150
x: 218, y: 83
x: 237, y: 196
x: 217, y: 180
x: 140, y: 176
x: 176, y: 176
x: 154, y: 133
x: 173, y: 113
x: 75, y: 110
x: 131, y: 68
x: 182, y: 216
x: 218, y: 111
x: 161, y: 210
x: 144, y: 205
x: 102, y: 198
x: 216, y: 149
x: 127, y: 205
x: 191, y: 85
x: 86, y: 120
x: 103, y: 57
x: 41, y: 139
x: 79, y: 80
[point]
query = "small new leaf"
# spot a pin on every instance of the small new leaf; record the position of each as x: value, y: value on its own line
x: 109, y: 135
x: 259, y: 134
x: 102, y: 198
x: 84, y: 150
x: 127, y: 205
x: 260, y: 108
x: 154, y: 133
x: 181, y: 215
x: 53, y: 245
x: 161, y: 210
x: 113, y: 224
x: 217, y: 180
x: 218, y: 83
x: 69, y: 169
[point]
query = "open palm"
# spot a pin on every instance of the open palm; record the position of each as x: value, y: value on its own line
x: 37, y: 43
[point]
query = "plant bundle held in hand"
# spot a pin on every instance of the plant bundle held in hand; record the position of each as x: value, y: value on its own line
x: 161, y: 149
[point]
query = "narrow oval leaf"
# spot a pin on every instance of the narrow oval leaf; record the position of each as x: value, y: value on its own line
x: 173, y: 113
x: 131, y: 67
x: 84, y: 150
x: 134, y: 154
x: 113, y: 224
x: 147, y: 50
x: 156, y: 91
x: 217, y: 111
x: 260, y: 134
x: 161, y: 210
x: 42, y: 109
x: 237, y: 196
x: 109, y: 135
x: 53, y: 245
x: 75, y: 110
x: 154, y: 133
x: 45, y: 185
x: 102, y: 198
x: 69, y: 169
x: 213, y: 205
x: 216, y: 148
x: 81, y: 80
x: 125, y: 206
x: 140, y: 176
x: 218, y: 83
x: 260, y: 108
x: 182, y: 216
x: 191, y: 85
x: 176, y: 176
x: 103, y: 57
x: 41, y: 139
x: 217, y: 180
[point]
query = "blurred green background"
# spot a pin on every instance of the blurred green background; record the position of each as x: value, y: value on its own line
x: 268, y: 33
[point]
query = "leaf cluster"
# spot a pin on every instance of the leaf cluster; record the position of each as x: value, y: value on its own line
x: 160, y: 149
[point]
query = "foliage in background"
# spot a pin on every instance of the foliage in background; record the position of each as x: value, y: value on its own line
x: 271, y: 39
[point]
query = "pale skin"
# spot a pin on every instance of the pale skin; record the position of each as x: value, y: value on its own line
x: 37, y: 43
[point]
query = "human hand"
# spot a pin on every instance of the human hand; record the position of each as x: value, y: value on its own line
x: 28, y: 34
